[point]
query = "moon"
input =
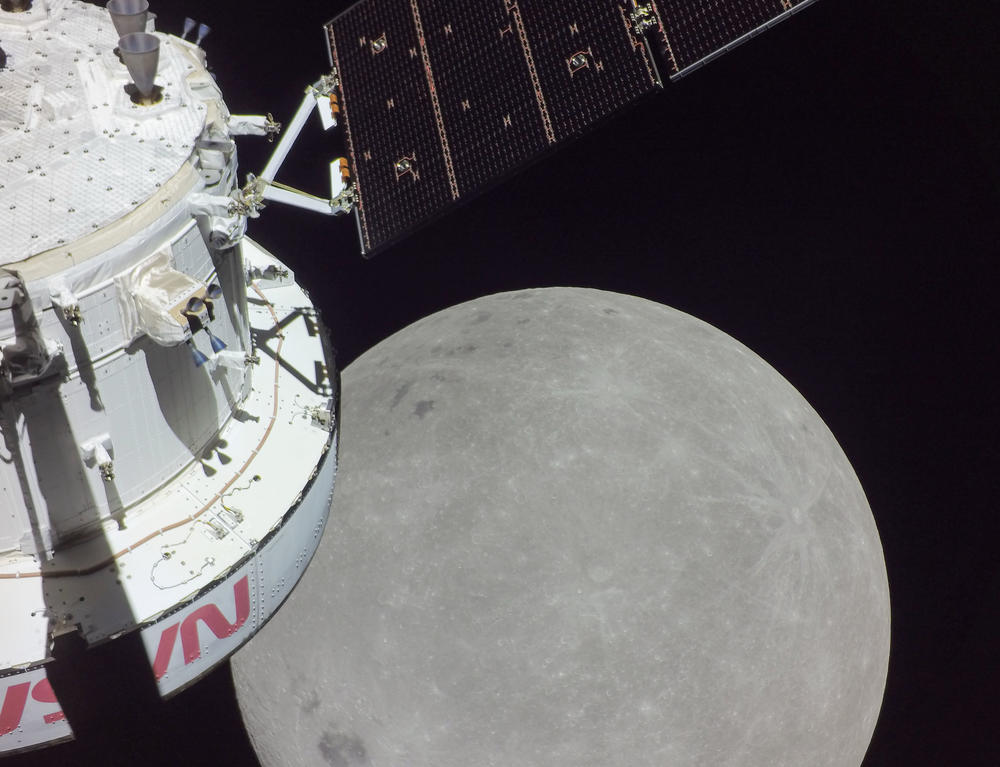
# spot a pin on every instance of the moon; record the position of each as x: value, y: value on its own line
x: 574, y: 527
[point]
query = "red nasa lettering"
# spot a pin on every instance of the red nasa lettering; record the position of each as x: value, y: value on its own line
x: 13, y: 707
x: 15, y: 700
x: 212, y: 617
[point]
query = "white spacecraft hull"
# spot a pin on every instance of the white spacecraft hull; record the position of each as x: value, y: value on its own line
x: 168, y: 395
x: 248, y: 527
x: 188, y: 642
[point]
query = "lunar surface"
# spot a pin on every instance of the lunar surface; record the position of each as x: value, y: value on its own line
x: 577, y: 528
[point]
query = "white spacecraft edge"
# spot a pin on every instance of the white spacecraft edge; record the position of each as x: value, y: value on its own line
x: 168, y: 395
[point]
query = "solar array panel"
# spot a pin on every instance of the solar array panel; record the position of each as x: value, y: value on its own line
x: 694, y: 32
x: 444, y: 98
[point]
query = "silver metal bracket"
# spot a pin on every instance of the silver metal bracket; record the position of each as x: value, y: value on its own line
x: 29, y: 355
x: 216, y: 529
x: 66, y: 302
x: 321, y: 417
x: 72, y: 314
x: 249, y: 201
x: 345, y: 201
x: 271, y: 128
x: 642, y: 17
x: 99, y: 451
x: 326, y: 84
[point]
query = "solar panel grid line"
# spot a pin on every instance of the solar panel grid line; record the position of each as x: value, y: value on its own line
x: 498, y: 129
x: 515, y: 13
x: 435, y: 103
x: 611, y: 75
x: 667, y: 48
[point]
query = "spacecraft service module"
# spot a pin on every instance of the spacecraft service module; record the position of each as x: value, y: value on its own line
x: 169, y: 400
x: 168, y: 396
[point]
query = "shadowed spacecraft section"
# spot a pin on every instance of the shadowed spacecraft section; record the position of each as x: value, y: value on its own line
x: 162, y: 487
x: 442, y: 100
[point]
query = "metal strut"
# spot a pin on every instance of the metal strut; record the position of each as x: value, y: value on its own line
x: 322, y: 94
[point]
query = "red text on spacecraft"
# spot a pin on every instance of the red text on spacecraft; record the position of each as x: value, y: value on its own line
x: 212, y: 617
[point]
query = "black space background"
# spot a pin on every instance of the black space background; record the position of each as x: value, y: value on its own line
x: 827, y: 194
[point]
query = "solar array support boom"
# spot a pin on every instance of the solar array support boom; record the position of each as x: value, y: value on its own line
x: 319, y: 96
